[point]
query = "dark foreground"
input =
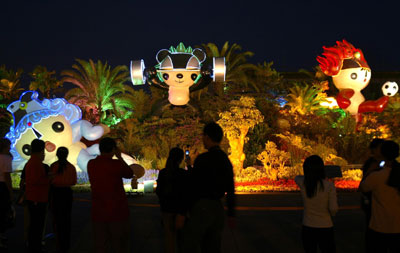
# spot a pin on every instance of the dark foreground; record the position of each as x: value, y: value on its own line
x: 265, y: 223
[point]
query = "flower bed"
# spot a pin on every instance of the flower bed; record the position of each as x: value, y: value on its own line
x: 284, y: 185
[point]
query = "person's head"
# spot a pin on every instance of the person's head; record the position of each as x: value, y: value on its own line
x: 175, y: 157
x: 107, y: 145
x: 314, y: 172
x: 212, y: 135
x: 62, y: 153
x: 389, y: 150
x: 374, y: 147
x: 37, y: 148
x: 5, y: 146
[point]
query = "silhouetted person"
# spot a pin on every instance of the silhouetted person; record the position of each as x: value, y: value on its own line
x: 110, y: 212
x: 385, y: 188
x: 63, y: 176
x: 370, y: 165
x: 37, y: 194
x: 210, y: 178
x: 5, y: 187
x: 171, y: 191
x: 320, y: 203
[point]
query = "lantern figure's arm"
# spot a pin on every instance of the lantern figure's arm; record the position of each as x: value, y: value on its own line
x: 153, y: 79
x: 374, y: 105
x: 85, y: 129
x: 343, y: 98
x: 204, y: 80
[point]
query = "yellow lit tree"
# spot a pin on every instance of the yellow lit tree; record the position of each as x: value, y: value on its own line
x: 236, y: 122
x: 275, y: 161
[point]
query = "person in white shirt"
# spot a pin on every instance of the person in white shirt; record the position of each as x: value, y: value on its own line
x: 5, y: 187
x: 384, y: 226
x: 320, y: 204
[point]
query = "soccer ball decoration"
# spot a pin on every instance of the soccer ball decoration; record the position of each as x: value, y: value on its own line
x: 390, y: 89
x: 350, y: 74
x: 180, y: 70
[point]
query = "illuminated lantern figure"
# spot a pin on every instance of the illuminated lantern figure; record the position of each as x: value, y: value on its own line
x: 350, y: 74
x: 180, y: 71
x: 57, y: 123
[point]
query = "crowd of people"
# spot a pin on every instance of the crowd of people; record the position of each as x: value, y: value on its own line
x: 193, y: 216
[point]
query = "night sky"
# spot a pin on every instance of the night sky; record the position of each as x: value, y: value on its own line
x: 290, y: 33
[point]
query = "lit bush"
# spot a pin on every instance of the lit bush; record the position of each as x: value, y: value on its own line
x: 250, y: 174
x: 355, y: 175
x: 275, y: 162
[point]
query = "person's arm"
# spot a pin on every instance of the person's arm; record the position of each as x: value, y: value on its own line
x: 373, y: 166
x: 298, y: 179
x: 74, y: 175
x: 126, y: 171
x: 7, y: 177
x: 333, y: 204
x: 369, y: 183
x: 160, y: 183
x: 7, y: 180
x: 22, y: 181
x: 230, y: 188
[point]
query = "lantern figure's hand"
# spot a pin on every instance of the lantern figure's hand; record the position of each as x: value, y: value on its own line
x: 343, y: 98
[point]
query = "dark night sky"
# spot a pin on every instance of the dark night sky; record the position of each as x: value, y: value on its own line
x: 288, y: 32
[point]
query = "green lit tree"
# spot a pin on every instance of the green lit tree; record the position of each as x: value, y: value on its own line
x: 305, y: 98
x: 100, y: 90
x: 45, y: 81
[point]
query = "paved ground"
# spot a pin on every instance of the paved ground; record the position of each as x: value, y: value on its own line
x: 265, y: 223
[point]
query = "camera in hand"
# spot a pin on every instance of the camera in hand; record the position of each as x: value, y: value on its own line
x: 332, y: 171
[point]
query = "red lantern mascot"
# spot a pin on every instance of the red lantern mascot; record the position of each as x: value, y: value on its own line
x: 350, y: 74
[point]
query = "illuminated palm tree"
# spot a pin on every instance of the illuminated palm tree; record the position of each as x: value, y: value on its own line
x: 10, y: 84
x: 305, y: 99
x: 100, y: 88
x: 45, y: 81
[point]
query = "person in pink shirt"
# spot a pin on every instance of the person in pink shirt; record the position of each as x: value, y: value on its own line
x: 37, y: 194
x: 63, y: 176
x: 110, y: 212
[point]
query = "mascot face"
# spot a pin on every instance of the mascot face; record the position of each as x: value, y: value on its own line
x: 55, y: 131
x: 179, y: 70
x: 49, y: 120
x: 179, y: 77
x: 352, y: 78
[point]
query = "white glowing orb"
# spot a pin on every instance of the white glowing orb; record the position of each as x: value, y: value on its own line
x: 390, y: 89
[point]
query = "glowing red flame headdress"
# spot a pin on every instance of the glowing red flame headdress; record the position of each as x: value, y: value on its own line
x: 341, y: 56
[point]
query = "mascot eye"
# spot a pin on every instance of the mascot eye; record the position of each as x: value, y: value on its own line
x: 353, y: 76
x: 58, y: 127
x: 26, y: 149
x: 194, y: 76
x: 165, y: 76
